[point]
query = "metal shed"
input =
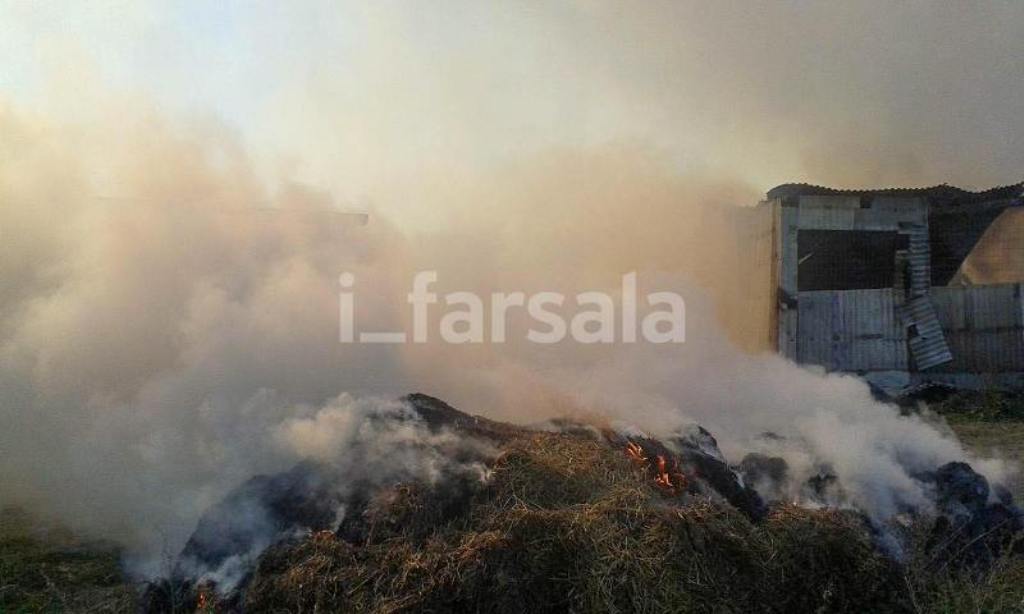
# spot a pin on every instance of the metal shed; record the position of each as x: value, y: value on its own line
x: 886, y: 283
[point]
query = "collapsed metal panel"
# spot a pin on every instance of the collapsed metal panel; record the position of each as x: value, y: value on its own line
x: 924, y: 333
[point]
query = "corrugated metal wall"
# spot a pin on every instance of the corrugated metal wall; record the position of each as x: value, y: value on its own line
x: 860, y: 330
x: 851, y: 330
x: 984, y: 327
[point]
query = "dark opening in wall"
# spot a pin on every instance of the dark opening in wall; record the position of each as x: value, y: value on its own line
x: 846, y: 259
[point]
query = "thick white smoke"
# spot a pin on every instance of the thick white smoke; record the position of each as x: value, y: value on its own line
x: 158, y: 350
x: 169, y: 298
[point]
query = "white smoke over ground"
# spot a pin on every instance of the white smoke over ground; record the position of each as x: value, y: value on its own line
x: 168, y: 297
x: 765, y: 404
x: 402, y: 443
x: 150, y: 344
x: 354, y: 448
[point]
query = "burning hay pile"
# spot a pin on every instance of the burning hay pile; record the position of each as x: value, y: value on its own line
x: 573, y: 517
x: 565, y: 524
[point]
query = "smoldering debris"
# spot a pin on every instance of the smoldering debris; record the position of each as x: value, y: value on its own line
x: 976, y: 523
x: 690, y: 462
x: 764, y: 473
x: 416, y: 440
x: 353, y: 499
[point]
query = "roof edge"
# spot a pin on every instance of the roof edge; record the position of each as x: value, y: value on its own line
x: 943, y: 193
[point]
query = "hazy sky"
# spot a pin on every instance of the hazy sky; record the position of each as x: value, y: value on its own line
x: 364, y: 97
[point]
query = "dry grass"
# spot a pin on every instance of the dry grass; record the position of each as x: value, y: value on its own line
x: 566, y: 524
x: 46, y: 569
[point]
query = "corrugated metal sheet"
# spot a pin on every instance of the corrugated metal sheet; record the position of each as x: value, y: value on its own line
x: 846, y: 213
x: 900, y: 209
x: 919, y: 256
x: 851, y: 330
x: 984, y: 326
x: 928, y: 346
x: 886, y: 219
x: 786, y: 255
x: 826, y: 217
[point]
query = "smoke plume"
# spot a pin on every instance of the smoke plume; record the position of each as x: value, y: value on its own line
x: 169, y: 286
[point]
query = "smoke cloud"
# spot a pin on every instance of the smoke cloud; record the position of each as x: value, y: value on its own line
x: 168, y: 283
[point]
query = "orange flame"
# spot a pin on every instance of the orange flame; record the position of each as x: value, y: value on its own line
x: 667, y: 475
x: 663, y: 479
x: 636, y: 454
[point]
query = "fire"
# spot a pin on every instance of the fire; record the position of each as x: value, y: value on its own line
x: 668, y: 477
x: 636, y: 454
x: 206, y: 598
x: 663, y: 478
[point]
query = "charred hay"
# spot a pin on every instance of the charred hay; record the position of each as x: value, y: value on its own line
x: 573, y: 517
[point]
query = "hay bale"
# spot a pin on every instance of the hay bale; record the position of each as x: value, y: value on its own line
x: 567, y: 524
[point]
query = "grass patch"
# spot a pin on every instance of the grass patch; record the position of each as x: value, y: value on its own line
x: 933, y: 586
x: 981, y: 406
x: 46, y: 569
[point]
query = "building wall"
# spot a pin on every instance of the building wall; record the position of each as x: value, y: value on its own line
x: 851, y: 330
x: 958, y: 333
x: 841, y: 329
x: 755, y: 232
x: 984, y: 326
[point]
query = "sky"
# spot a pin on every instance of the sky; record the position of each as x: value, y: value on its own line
x: 365, y: 99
